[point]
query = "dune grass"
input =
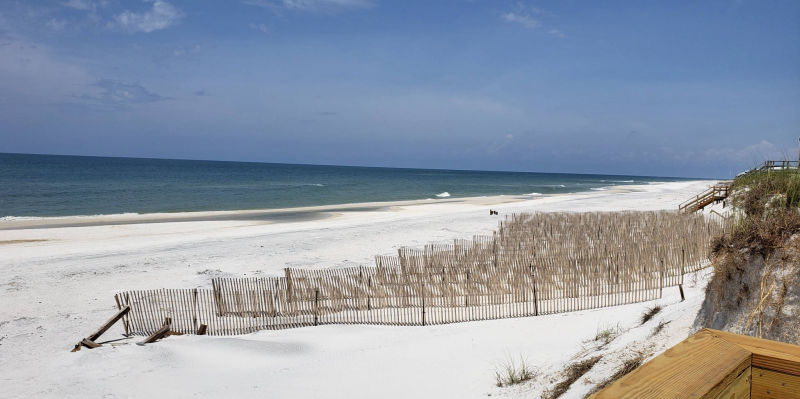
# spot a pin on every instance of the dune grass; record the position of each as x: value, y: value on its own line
x: 512, y: 373
x: 571, y: 374
x: 649, y: 313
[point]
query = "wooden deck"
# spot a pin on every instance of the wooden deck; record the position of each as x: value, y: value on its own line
x: 713, y: 365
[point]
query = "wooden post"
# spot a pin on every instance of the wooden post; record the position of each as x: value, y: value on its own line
x: 680, y: 287
x: 202, y: 330
x: 466, y: 292
x: 161, y: 333
x: 124, y: 321
x: 289, y: 299
x: 535, y: 300
x: 194, y: 308
x: 661, y: 281
x: 89, y: 341
x: 90, y: 344
x: 683, y: 262
x: 423, y: 303
x: 316, y: 307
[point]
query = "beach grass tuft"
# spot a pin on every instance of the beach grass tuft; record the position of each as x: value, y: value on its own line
x: 606, y: 334
x: 649, y: 313
x: 512, y: 373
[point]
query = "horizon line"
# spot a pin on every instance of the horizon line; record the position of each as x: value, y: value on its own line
x: 357, y: 166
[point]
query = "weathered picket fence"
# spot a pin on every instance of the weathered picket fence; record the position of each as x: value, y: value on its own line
x: 534, y: 264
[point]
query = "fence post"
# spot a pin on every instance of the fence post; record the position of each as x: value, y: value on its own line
x: 195, y: 309
x: 289, y: 299
x: 423, y: 303
x: 535, y: 299
x: 316, y: 307
x: 661, y: 280
x: 683, y: 262
x: 124, y: 317
x: 466, y: 292
x: 494, y: 249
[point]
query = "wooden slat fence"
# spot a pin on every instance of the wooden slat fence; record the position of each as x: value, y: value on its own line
x: 533, y: 264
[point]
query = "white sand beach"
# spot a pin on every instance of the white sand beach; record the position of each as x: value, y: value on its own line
x: 59, y: 276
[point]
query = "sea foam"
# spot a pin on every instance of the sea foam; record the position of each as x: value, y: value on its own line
x: 443, y: 195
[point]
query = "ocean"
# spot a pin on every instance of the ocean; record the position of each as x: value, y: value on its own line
x: 59, y: 185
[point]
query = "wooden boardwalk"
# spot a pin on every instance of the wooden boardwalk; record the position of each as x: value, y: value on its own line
x: 715, y: 193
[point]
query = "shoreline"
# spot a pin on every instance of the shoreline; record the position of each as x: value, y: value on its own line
x: 296, y: 214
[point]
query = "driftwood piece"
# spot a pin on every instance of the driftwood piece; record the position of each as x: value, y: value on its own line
x: 202, y: 330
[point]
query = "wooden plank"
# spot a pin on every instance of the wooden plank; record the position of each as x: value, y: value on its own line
x: 161, y: 333
x: 110, y: 322
x: 768, y: 384
x: 739, y: 388
x: 715, y: 363
x: 771, y: 355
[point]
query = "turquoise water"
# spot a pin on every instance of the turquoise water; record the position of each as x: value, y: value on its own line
x: 56, y: 185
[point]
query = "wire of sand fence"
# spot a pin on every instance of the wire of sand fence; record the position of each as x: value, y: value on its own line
x: 533, y: 264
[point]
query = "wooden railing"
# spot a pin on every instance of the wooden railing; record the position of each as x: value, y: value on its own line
x: 778, y: 165
x: 714, y: 365
x: 775, y: 165
x: 717, y: 192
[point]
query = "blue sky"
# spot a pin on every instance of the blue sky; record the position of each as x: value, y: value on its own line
x: 671, y: 88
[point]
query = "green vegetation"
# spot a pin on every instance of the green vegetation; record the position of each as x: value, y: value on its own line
x: 606, y: 333
x: 757, y: 262
x: 511, y: 373
x: 766, y: 211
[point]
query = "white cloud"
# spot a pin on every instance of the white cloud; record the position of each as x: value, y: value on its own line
x: 115, y: 92
x: 56, y: 24
x: 30, y: 75
x: 522, y: 19
x: 531, y: 18
x: 263, y: 28
x: 161, y: 16
x: 85, y: 5
x: 498, y: 145
x: 310, y: 5
x: 80, y: 4
x: 752, y: 153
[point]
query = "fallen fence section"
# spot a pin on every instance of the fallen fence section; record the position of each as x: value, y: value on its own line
x: 534, y: 264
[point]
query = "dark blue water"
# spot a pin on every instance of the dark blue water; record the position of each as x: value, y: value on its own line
x: 56, y: 185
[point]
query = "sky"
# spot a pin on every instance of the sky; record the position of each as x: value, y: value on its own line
x: 663, y: 88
